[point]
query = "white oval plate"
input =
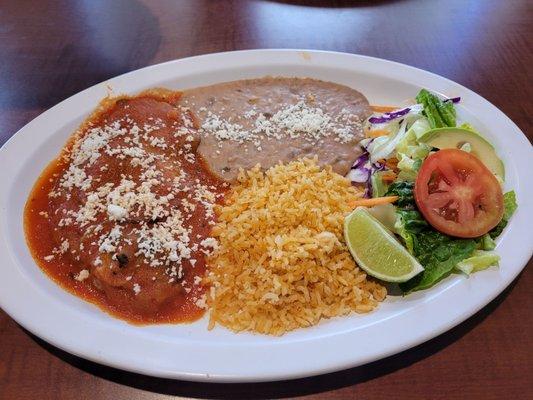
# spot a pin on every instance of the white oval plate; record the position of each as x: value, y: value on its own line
x: 192, y: 352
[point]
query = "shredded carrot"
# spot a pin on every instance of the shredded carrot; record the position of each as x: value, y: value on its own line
x: 383, y: 109
x: 376, y: 133
x: 388, y: 177
x: 390, y: 163
x: 373, y: 202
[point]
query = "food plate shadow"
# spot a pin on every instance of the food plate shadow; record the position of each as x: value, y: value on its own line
x: 288, y: 388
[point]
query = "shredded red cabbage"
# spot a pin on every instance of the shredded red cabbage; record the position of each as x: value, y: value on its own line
x: 360, y: 175
x: 361, y: 160
x: 389, y: 116
x: 361, y: 171
x: 368, y: 189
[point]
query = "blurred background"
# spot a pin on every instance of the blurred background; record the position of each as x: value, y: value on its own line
x: 51, y: 49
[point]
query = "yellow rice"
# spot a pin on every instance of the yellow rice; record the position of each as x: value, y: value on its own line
x: 282, y: 262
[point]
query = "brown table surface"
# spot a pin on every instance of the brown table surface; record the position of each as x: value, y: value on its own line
x: 50, y: 50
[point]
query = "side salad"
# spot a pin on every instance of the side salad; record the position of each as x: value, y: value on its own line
x: 433, y: 188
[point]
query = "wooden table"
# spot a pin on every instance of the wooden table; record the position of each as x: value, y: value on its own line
x: 50, y: 50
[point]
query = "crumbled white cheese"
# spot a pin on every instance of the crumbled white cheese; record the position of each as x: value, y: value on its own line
x: 82, y: 275
x: 201, y: 302
x: 294, y: 120
x: 116, y: 212
x: 224, y: 130
x: 108, y: 243
x: 210, y: 242
x: 136, y: 288
x: 152, y: 188
x: 64, y: 246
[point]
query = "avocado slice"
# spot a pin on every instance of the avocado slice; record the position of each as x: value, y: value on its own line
x: 455, y: 138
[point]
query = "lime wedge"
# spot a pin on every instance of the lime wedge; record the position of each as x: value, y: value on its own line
x: 376, y: 250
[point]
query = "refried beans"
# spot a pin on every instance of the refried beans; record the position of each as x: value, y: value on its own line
x: 270, y: 120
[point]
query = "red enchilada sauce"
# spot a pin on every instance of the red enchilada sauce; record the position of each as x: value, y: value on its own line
x: 122, y: 217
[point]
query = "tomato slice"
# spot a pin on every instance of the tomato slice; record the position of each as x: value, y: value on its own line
x: 458, y: 195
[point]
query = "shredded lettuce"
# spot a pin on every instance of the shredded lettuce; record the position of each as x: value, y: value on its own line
x: 509, y: 206
x: 384, y: 147
x: 479, y: 261
x: 408, y: 167
x: 486, y: 242
x: 404, y: 191
x: 447, y: 112
x: 409, y: 147
x: 363, y: 172
x: 407, y: 175
x: 379, y: 188
x: 408, y: 224
x: 405, y: 162
x: 439, y: 254
x: 439, y: 113
x: 419, y: 127
x: 408, y: 220
x: 410, y: 153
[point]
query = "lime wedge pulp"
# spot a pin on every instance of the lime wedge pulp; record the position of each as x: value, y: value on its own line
x: 376, y: 250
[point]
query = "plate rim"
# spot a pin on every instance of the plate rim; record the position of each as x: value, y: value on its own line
x: 126, y: 363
